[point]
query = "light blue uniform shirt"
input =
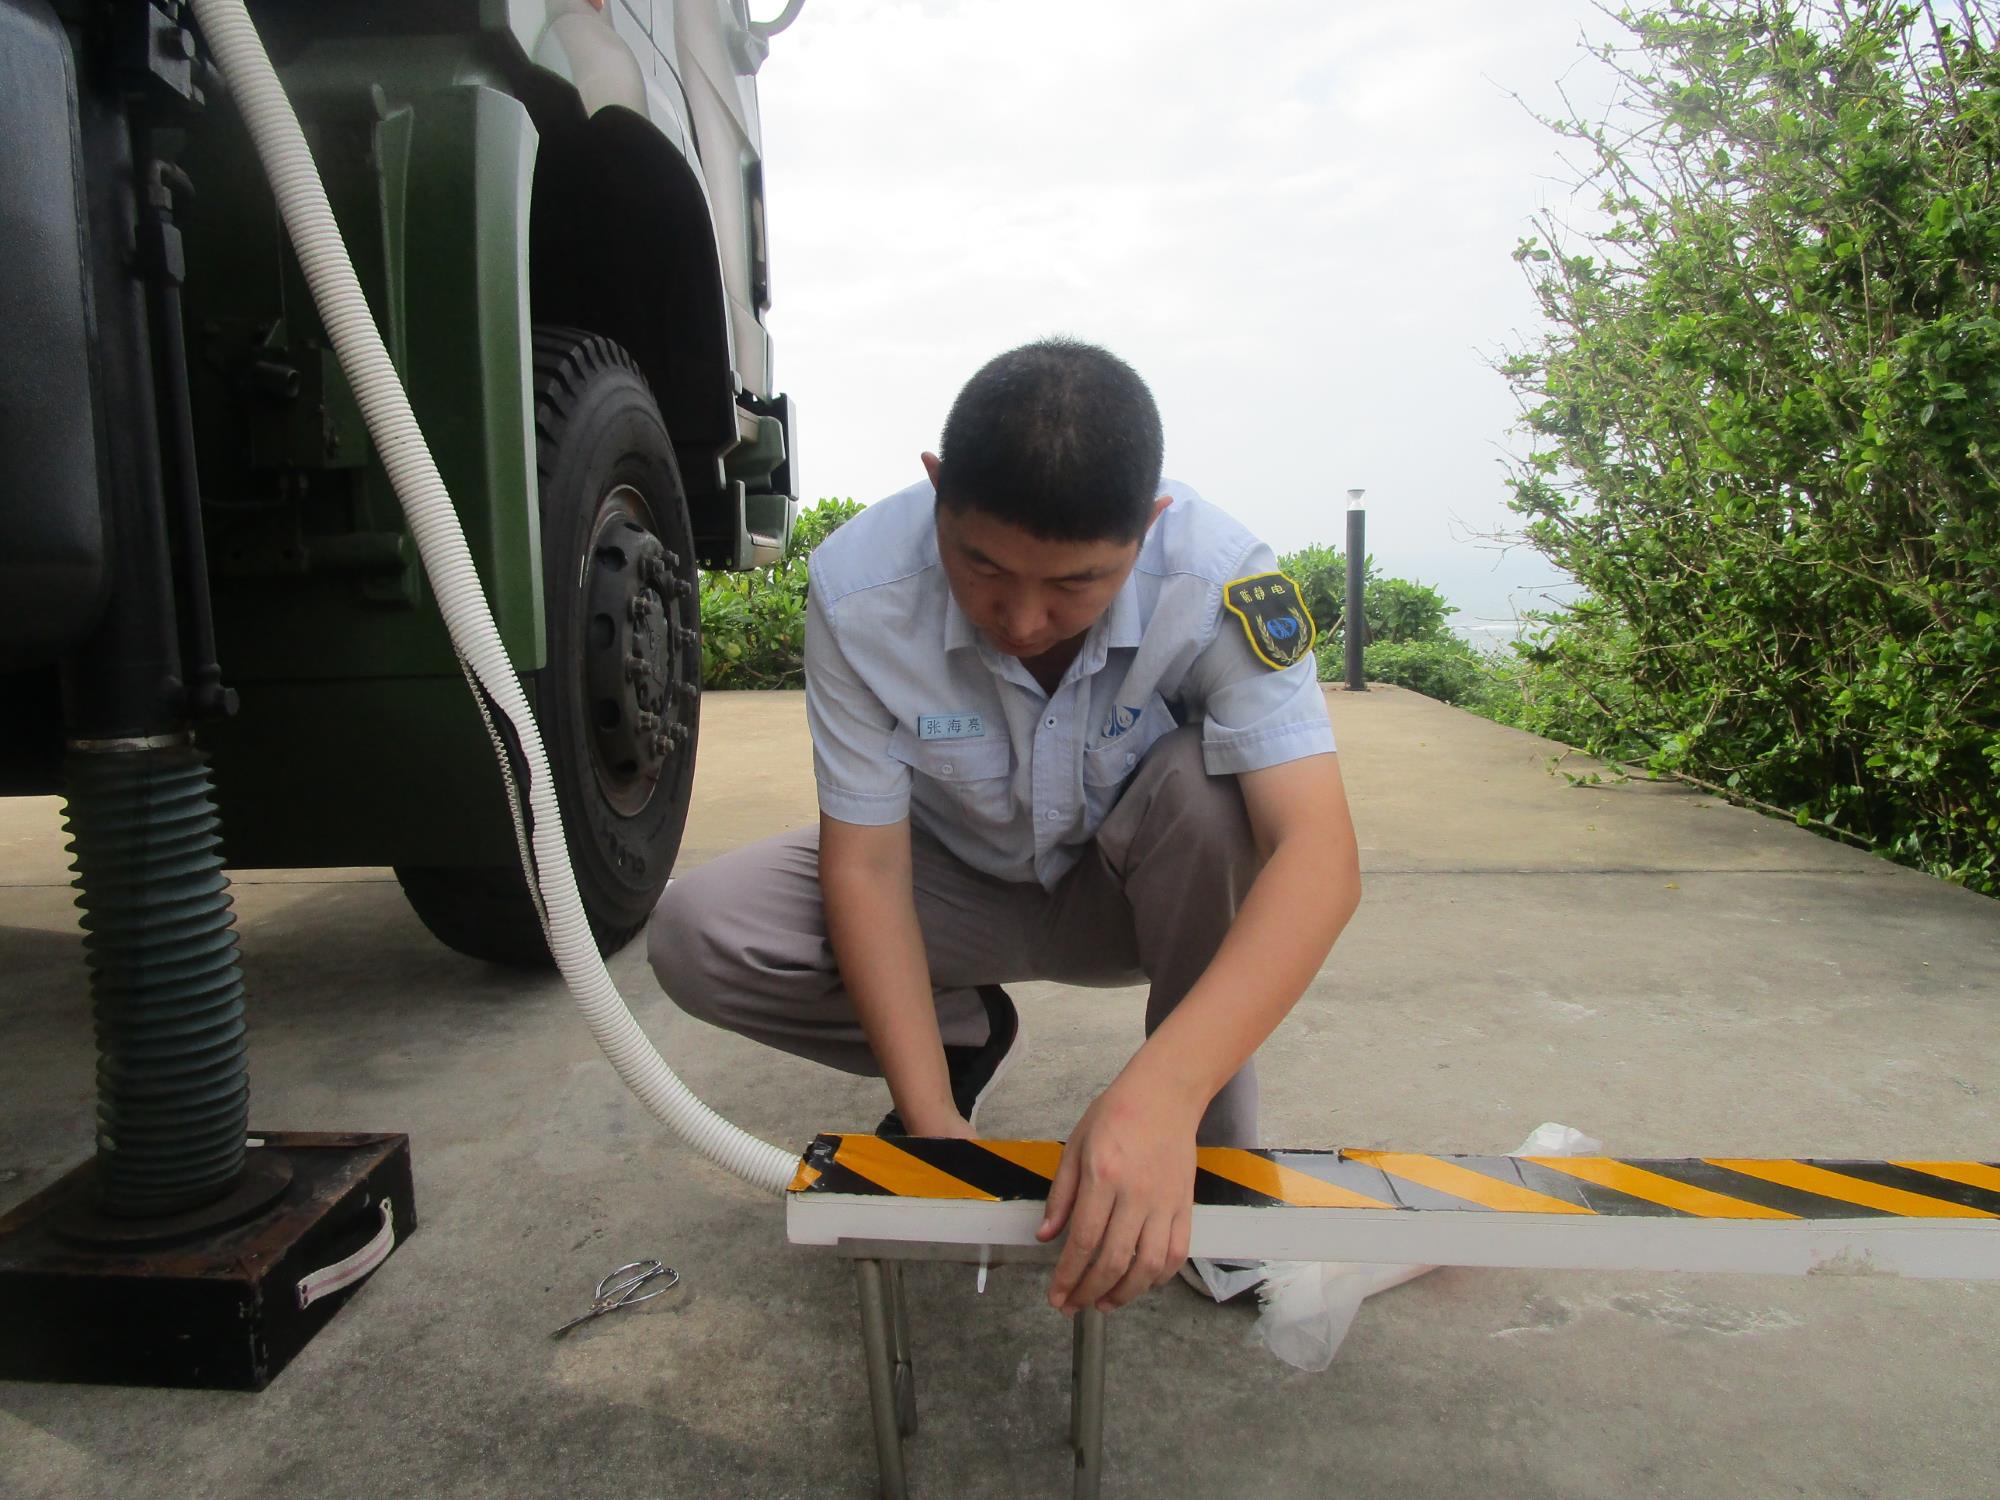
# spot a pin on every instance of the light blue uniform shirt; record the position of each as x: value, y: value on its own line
x: 914, y: 715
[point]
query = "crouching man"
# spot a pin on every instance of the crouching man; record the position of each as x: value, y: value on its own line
x: 1066, y: 726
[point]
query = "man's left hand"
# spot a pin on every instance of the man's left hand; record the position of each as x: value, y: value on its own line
x: 1125, y: 1190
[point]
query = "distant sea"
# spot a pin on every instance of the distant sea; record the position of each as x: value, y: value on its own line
x: 1488, y: 635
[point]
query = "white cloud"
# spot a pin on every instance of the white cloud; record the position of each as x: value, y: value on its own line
x: 1293, y: 216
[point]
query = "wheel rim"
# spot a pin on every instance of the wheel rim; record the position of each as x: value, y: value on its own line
x: 639, y: 635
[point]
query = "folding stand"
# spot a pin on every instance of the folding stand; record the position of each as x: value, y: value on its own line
x: 892, y: 1379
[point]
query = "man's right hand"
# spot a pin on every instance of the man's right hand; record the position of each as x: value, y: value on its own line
x: 1124, y: 1193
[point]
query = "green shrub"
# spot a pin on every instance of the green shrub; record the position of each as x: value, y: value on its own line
x: 1764, y: 420
x: 1395, y: 609
x: 1321, y: 574
x: 1398, y: 612
x: 753, y: 624
x: 817, y: 524
x: 1545, y: 686
x: 1399, y: 609
x: 1444, y: 667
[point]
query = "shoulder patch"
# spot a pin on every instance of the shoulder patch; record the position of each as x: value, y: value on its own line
x: 1274, y: 617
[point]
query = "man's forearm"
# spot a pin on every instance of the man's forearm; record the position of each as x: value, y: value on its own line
x: 871, y: 922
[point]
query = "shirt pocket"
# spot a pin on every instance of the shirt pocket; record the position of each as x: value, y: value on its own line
x: 977, y: 775
x: 1108, y: 766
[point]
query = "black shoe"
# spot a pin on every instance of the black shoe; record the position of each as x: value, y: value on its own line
x: 975, y: 1070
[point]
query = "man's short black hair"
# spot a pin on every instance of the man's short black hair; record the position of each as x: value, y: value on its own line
x: 1057, y: 437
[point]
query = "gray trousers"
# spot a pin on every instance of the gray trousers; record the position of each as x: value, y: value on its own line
x: 741, y: 942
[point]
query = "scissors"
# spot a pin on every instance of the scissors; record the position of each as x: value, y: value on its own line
x: 621, y: 1289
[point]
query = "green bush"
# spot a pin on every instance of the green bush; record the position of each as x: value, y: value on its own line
x: 1443, y: 667
x: 753, y: 624
x: 1321, y: 574
x: 817, y: 524
x: 1766, y: 412
x: 1543, y: 686
x: 1394, y: 609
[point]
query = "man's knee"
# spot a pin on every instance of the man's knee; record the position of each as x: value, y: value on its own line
x: 682, y: 948
x: 1206, y: 808
x: 1174, y: 757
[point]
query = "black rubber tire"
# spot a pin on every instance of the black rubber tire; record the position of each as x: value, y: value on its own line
x: 610, y: 490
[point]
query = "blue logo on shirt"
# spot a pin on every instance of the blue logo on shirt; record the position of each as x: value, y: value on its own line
x: 1122, y: 719
x: 1284, y: 627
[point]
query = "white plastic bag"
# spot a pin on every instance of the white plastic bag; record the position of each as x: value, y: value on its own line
x: 1307, y: 1306
x: 1551, y: 1139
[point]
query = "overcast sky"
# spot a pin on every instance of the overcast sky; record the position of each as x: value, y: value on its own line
x: 1294, y: 217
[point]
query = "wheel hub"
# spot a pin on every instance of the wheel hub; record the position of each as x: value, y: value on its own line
x: 636, y: 640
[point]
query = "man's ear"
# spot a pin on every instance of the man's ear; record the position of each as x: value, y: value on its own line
x: 932, y: 468
x: 1159, y: 509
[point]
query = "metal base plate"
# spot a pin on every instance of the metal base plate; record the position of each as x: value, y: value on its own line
x: 219, y: 1310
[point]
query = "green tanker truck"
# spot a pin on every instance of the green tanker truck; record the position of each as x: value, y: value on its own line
x: 216, y: 639
x: 556, y: 210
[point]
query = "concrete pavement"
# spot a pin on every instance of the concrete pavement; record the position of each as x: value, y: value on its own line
x: 1666, y: 972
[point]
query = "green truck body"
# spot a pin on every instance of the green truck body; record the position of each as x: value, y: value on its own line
x: 498, y: 167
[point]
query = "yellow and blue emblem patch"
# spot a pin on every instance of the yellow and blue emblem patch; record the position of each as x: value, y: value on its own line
x: 1274, y: 617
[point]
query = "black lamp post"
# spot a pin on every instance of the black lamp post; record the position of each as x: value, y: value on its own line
x: 1354, y: 624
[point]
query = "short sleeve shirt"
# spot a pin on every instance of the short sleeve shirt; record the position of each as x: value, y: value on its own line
x: 914, y: 715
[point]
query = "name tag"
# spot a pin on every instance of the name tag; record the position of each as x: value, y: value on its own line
x: 951, y: 727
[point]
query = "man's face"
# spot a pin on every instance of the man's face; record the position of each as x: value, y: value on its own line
x: 1027, y: 595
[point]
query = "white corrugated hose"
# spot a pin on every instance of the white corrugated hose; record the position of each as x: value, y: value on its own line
x: 316, y: 237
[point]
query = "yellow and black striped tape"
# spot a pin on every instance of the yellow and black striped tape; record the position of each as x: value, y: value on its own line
x: 1681, y: 1187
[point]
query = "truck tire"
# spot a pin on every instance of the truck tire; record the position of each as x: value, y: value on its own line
x: 618, y: 701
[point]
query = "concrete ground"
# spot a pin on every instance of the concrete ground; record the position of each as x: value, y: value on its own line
x: 1671, y: 974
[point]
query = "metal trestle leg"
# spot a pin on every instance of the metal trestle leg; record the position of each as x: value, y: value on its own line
x: 878, y: 1339
x: 892, y: 1380
x: 904, y: 1373
x: 1086, y: 1403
